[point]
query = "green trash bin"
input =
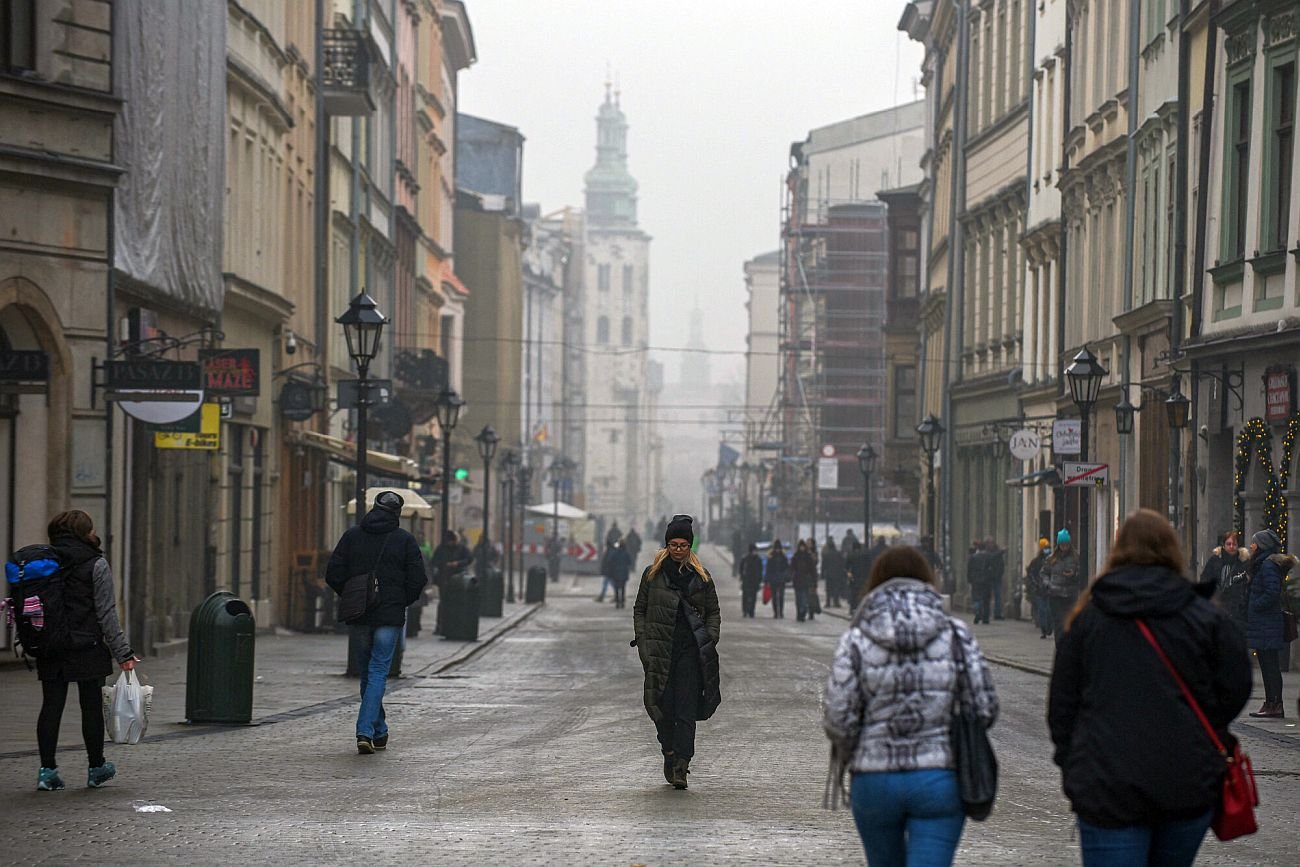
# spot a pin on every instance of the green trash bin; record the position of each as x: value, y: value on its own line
x: 491, y: 594
x: 460, y: 598
x: 219, y: 682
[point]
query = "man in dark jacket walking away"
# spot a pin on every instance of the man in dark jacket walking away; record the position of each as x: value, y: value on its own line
x: 778, y: 568
x: 833, y: 573
x: 632, y: 542
x: 751, y: 580
x: 380, y: 546
x: 858, y: 564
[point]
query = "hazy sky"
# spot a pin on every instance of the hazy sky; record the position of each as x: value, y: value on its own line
x: 714, y: 91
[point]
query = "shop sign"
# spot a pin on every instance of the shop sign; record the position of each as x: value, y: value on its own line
x: 153, y: 376
x: 1067, y: 436
x: 24, y: 366
x: 231, y: 372
x: 828, y: 474
x: 201, y: 431
x: 1278, y: 396
x: 1024, y: 444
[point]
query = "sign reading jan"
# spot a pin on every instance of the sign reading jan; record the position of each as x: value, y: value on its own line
x: 231, y: 372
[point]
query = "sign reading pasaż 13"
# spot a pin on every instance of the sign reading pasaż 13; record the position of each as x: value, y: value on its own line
x: 231, y: 372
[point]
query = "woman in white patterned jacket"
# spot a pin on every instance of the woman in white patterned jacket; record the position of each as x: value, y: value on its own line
x: 889, y: 707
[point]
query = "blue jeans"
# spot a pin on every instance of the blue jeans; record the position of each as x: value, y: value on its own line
x: 377, y: 646
x: 908, y: 818
x: 1168, y: 844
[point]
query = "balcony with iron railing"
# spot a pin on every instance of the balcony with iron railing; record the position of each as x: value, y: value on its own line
x: 346, y: 81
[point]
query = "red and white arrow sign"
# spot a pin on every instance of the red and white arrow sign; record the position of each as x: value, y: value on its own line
x: 583, y: 551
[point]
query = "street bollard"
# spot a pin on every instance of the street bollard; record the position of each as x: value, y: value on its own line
x: 491, y: 595
x: 535, y: 588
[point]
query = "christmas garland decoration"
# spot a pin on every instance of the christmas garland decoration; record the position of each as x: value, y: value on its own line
x: 1256, y: 440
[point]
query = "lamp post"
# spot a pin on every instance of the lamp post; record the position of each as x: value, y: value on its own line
x: 449, y: 406
x: 931, y: 432
x: 867, y: 464
x: 1085, y: 375
x: 560, y: 469
x: 487, y: 440
x: 363, y: 325
x: 523, y: 496
x: 509, y: 467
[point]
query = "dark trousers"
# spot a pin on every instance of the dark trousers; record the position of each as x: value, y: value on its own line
x: 620, y: 593
x: 981, y: 595
x: 54, y: 698
x: 1060, y: 606
x: 778, y: 600
x: 801, y: 607
x: 678, y: 703
x: 997, y: 602
x: 748, y: 600
x: 1270, y: 667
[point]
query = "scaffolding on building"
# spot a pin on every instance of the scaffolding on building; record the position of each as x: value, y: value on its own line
x: 831, y: 388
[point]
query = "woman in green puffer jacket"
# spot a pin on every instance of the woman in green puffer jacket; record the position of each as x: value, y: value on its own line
x: 676, y: 618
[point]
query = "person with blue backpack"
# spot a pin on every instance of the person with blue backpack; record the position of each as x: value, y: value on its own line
x: 66, y: 616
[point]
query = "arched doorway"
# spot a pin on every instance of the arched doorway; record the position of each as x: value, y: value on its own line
x: 31, y: 436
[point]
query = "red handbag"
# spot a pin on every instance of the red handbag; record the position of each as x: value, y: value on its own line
x: 767, y: 593
x: 1235, y: 815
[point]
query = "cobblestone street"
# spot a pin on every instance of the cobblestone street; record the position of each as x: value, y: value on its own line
x: 537, y: 751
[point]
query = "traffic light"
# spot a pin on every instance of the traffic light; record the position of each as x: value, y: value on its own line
x: 461, y: 474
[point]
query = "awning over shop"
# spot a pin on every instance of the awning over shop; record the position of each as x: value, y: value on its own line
x: 564, y: 510
x: 412, y: 503
x: 344, y: 452
x: 1048, y: 476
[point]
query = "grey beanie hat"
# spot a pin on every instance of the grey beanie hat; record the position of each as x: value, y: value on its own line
x: 390, y: 502
x: 1267, y: 541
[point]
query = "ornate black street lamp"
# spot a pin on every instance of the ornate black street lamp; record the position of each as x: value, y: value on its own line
x: 509, y: 466
x: 561, y: 471
x: 363, y: 325
x: 1085, y: 375
x: 931, y: 432
x: 866, y: 465
x: 449, y: 407
x: 487, y: 440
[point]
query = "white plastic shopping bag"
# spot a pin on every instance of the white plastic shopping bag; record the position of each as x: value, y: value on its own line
x: 126, y: 709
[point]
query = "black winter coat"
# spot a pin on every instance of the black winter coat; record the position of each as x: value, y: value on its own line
x: 401, y: 571
x: 1228, y: 574
x: 804, y: 568
x: 777, y: 567
x: 91, y: 612
x: 751, y: 572
x: 654, y: 619
x: 1264, y: 601
x: 1130, y: 749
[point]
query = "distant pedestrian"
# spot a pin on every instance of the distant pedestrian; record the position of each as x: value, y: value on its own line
x: 833, y: 573
x: 1063, y: 580
x: 632, y: 541
x: 613, y: 534
x: 846, y: 544
x: 995, y: 573
x: 857, y: 563
x: 1037, y: 589
x: 890, y: 700
x: 936, y: 563
x: 677, y: 622
x: 778, y: 568
x: 380, y: 546
x: 618, y: 566
x: 1269, y: 567
x: 979, y: 576
x: 737, y: 551
x: 803, y: 569
x: 1142, y: 774
x: 89, y: 612
x: 1227, y: 570
x: 751, y: 581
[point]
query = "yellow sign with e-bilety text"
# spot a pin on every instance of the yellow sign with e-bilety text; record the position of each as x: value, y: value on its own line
x: 208, y: 436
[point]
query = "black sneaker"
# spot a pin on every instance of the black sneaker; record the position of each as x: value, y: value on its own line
x: 365, y: 746
x: 381, y: 742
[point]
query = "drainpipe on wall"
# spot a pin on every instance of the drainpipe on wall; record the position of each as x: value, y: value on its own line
x: 1062, y: 272
x: 956, y: 269
x: 1130, y: 216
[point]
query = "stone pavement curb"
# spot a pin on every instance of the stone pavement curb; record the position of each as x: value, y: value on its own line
x: 431, y: 669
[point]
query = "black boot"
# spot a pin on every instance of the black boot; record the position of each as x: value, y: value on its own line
x: 681, y: 767
x: 668, y: 767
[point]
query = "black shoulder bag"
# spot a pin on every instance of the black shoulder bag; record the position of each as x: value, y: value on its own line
x: 977, y: 766
x: 361, y: 592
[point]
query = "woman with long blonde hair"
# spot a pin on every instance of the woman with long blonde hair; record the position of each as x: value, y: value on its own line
x: 677, y: 620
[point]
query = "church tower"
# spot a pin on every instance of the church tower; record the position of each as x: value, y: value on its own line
x: 615, y: 440
x: 610, y: 187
